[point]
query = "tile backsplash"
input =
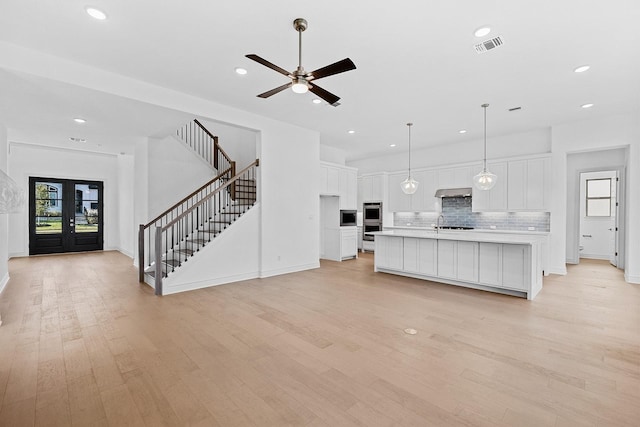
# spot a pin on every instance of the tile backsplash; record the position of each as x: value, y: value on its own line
x: 457, y: 212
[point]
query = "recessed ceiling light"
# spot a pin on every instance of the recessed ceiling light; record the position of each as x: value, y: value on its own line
x: 241, y: 71
x: 79, y: 120
x: 587, y: 105
x: 392, y: 145
x: 482, y: 31
x: 462, y: 131
x: 96, y: 13
x: 351, y: 131
x: 582, y: 69
x: 317, y: 101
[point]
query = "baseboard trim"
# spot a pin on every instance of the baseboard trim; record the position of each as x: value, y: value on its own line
x: 287, y: 270
x: 594, y: 256
x: 562, y: 271
x: 631, y: 279
x: 125, y: 252
x: 4, y: 282
x: 168, y: 288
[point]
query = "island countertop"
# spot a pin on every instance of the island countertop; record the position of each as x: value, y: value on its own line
x: 486, y: 236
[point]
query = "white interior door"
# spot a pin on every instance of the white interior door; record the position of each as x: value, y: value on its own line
x: 598, y: 215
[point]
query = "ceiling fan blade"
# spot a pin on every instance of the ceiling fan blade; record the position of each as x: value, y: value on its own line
x: 274, y: 91
x: 335, y: 68
x: 268, y: 64
x: 326, y: 95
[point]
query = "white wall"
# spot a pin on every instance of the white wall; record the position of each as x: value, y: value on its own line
x: 521, y: 144
x: 239, y: 143
x: 621, y: 131
x: 4, y: 218
x: 175, y: 171
x: 216, y: 264
x: 597, y: 237
x: 27, y: 160
x: 126, y: 225
x: 332, y: 155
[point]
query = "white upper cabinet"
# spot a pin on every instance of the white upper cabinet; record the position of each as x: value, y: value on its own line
x: 329, y: 180
x: 371, y: 189
x: 348, y: 189
x: 398, y: 201
x: 494, y: 200
x: 455, y: 177
x: 337, y: 180
x: 423, y: 200
x: 529, y: 184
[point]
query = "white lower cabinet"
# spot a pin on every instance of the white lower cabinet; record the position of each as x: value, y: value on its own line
x: 458, y: 260
x: 504, y: 265
x: 420, y: 256
x: 515, y: 268
x: 447, y: 258
x: 389, y: 252
x: 348, y: 242
x: 467, y: 265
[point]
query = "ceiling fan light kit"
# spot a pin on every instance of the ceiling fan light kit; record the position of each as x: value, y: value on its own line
x: 485, y: 180
x: 409, y: 185
x: 300, y: 79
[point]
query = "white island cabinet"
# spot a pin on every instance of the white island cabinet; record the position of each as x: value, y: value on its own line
x: 508, y: 264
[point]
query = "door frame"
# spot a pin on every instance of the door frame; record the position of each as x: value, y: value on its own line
x: 621, y: 217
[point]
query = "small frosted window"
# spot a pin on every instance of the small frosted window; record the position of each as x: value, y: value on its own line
x: 599, y: 207
x: 598, y: 188
x: 599, y: 197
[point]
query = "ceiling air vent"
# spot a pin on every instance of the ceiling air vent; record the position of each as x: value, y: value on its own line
x: 489, y: 44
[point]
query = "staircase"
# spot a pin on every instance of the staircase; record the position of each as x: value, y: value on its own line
x: 166, y: 243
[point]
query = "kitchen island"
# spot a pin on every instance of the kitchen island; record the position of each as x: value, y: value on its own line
x: 498, y: 262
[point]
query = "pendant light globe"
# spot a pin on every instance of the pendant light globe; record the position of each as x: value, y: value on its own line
x: 409, y: 185
x: 485, y: 180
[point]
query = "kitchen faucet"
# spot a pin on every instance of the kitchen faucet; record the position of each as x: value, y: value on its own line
x: 438, y: 222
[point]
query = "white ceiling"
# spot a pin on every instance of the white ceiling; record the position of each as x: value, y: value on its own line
x: 415, y: 62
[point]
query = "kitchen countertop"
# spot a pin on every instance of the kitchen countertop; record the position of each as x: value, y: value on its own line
x: 488, y: 236
x: 475, y: 230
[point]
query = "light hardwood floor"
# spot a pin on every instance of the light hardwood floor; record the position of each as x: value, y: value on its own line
x: 84, y: 344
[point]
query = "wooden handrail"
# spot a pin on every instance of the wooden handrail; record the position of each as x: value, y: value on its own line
x: 215, y: 138
x: 256, y: 163
x: 219, y: 176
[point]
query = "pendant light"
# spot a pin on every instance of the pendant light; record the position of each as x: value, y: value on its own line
x: 485, y: 180
x: 409, y: 185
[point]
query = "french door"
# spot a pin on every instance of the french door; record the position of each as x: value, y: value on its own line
x: 64, y: 215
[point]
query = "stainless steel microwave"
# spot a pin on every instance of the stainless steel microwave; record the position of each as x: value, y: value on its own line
x: 347, y: 218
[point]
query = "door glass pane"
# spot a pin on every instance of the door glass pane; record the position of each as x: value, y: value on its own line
x: 48, y: 201
x: 599, y: 188
x: 599, y: 207
x: 86, y: 208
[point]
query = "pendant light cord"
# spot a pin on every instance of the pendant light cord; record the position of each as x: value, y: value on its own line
x: 409, y: 126
x: 485, y: 136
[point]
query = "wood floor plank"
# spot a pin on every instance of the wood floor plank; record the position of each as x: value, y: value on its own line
x: 19, y: 413
x: 83, y: 343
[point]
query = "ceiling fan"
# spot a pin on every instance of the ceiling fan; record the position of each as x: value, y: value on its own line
x: 302, y: 81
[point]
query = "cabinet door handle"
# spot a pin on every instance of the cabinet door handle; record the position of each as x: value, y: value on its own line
x: 587, y: 235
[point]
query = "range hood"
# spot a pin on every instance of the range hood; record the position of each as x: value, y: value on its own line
x: 454, y: 192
